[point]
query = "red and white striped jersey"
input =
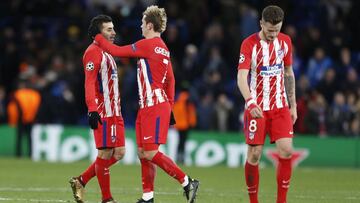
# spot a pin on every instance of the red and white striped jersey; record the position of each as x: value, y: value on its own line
x: 101, y: 82
x: 155, y: 77
x: 266, y: 62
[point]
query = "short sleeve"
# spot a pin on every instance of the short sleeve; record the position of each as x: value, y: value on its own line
x: 245, y: 55
x: 288, y: 51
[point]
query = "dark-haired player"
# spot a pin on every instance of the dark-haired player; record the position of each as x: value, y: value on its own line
x: 103, y: 103
x: 266, y: 61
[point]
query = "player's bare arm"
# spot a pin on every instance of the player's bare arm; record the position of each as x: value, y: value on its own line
x: 289, y: 82
x: 242, y: 77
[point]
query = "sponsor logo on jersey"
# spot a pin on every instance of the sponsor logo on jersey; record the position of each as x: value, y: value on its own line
x: 267, y: 71
x: 241, y: 58
x: 89, y: 66
x: 133, y: 47
x: 162, y: 51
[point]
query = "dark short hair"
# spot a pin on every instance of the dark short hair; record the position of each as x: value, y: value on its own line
x: 273, y: 14
x: 96, y: 24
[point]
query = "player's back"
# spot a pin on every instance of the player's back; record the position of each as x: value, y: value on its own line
x: 101, y: 82
x: 153, y: 69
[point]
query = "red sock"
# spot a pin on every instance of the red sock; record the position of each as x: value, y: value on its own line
x: 166, y: 164
x: 252, y: 181
x: 283, y: 179
x: 148, y: 172
x: 89, y: 173
x: 103, y: 176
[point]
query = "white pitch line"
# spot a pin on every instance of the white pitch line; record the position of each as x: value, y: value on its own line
x: 17, y: 189
x: 31, y: 200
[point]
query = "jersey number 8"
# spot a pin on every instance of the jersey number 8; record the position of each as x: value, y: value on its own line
x: 252, y: 126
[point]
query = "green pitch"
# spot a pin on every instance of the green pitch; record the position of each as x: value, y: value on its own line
x: 26, y: 181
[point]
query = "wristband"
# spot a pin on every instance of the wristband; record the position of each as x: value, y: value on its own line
x: 250, y: 101
x: 250, y: 104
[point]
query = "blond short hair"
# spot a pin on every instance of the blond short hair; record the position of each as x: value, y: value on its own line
x: 156, y: 16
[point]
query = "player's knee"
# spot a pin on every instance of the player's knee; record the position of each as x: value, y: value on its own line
x: 119, y: 154
x: 149, y: 155
x: 254, y: 158
x: 105, y: 153
x: 285, y: 152
x: 140, y: 153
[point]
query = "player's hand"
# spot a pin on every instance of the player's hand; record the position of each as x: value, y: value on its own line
x: 172, y: 119
x: 254, y: 109
x: 94, y: 119
x: 293, y: 113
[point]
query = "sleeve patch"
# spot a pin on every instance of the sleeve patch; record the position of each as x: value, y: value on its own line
x: 89, y: 66
x: 133, y: 47
x: 241, y: 58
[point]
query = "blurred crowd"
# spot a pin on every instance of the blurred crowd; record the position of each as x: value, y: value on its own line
x: 42, y: 43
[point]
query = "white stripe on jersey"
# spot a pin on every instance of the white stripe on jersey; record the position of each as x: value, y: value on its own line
x: 148, y: 91
x: 105, y: 82
x: 140, y: 88
x: 159, y: 95
x: 278, y: 60
x: 285, y: 52
x: 266, y: 80
x: 253, y: 74
x: 115, y: 87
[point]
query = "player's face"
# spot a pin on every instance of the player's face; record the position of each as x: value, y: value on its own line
x: 145, y: 27
x: 269, y: 30
x: 108, y: 31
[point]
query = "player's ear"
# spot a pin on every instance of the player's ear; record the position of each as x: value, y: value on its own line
x: 261, y: 23
x: 150, y: 26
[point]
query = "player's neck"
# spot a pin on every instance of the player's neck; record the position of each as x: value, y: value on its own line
x: 152, y: 35
x: 262, y: 36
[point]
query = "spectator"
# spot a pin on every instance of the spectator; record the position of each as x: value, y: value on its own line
x: 317, y: 66
x: 2, y: 105
x: 22, y: 111
x: 338, y: 115
x: 315, y: 117
x: 223, y: 108
x: 352, y: 83
x: 185, y: 116
x: 328, y: 85
x: 205, y: 112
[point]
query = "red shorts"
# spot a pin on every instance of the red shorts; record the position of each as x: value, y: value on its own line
x: 110, y: 134
x: 277, y: 123
x: 152, y: 124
